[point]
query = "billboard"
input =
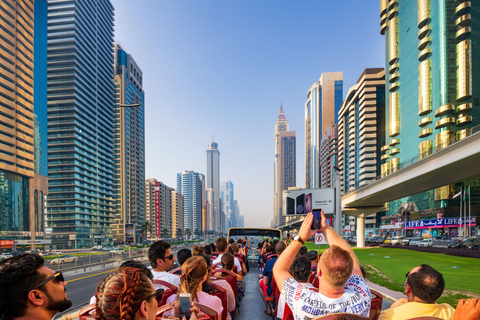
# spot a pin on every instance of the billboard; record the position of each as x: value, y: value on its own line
x: 157, y: 208
x: 302, y: 201
x: 129, y: 233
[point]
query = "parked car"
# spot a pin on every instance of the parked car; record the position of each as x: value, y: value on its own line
x: 116, y: 251
x: 396, y: 240
x: 472, y: 243
x: 6, y: 255
x: 455, y: 243
x: 388, y: 241
x: 380, y: 240
x: 64, y: 259
x: 57, y: 253
x: 415, y: 241
x: 34, y: 252
x: 442, y: 238
x: 405, y: 241
x: 426, y: 243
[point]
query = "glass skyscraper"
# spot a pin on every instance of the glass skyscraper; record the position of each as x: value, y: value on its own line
x: 129, y: 144
x: 81, y: 112
x: 189, y: 184
x: 432, y: 95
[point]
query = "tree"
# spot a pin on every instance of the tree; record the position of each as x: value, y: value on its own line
x: 198, y: 232
x: 187, y: 232
x: 165, y: 233
x: 146, y: 228
x: 179, y: 233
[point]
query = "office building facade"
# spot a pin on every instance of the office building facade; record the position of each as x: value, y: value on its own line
x: 81, y: 114
x: 432, y: 96
x: 328, y: 156
x: 129, y: 143
x: 324, y: 99
x: 189, y: 184
x: 227, y: 194
x: 177, y: 215
x: 213, y: 182
x: 17, y: 167
x: 159, y: 210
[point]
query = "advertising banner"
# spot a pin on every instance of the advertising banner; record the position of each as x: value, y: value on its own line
x: 440, y: 223
x: 302, y: 201
x: 129, y: 233
x: 157, y: 209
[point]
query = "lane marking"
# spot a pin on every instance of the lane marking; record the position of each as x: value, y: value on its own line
x: 92, y: 275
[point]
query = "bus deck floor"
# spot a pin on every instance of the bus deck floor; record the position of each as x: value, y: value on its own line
x: 252, y: 306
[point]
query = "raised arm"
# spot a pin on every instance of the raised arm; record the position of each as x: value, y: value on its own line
x: 283, y: 263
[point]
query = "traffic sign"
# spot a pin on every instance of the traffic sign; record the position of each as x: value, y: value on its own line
x: 320, y: 238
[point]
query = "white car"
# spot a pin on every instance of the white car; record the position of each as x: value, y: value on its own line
x: 116, y: 251
x: 396, y: 240
x: 64, y: 259
x: 56, y: 253
x: 426, y: 243
x: 6, y: 255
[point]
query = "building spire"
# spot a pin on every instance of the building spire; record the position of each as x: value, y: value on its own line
x: 281, y: 113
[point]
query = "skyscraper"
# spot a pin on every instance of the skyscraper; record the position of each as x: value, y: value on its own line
x: 189, y: 184
x: 227, y: 194
x: 284, y: 165
x: 433, y: 91
x: 177, y: 214
x: 81, y: 113
x: 328, y: 156
x: 129, y: 143
x: 324, y: 99
x: 213, y: 181
x: 17, y: 167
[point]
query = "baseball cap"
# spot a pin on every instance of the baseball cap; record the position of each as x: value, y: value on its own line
x: 312, y: 254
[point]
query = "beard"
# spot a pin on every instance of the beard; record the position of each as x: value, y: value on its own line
x: 59, y: 305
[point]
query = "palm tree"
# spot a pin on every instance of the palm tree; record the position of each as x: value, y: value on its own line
x: 146, y: 228
x: 165, y: 233
x: 179, y: 233
x: 188, y: 232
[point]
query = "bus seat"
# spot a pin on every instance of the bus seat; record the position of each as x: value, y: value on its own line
x: 87, y: 313
x: 221, y: 293
x: 287, y: 313
x: 273, y: 255
x: 376, y: 306
x: 316, y: 282
x: 177, y: 271
x: 311, y: 277
x: 231, y: 278
x: 171, y: 289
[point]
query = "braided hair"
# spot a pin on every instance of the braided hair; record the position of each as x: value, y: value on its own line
x: 120, y: 294
x: 193, y: 272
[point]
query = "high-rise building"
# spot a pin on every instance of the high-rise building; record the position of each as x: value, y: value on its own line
x: 324, y: 99
x: 241, y: 222
x: 17, y: 166
x: 177, y: 215
x: 159, y: 210
x: 361, y: 135
x: 433, y: 91
x: 227, y: 194
x: 284, y: 165
x: 81, y: 115
x: 213, y: 182
x: 129, y: 144
x: 328, y: 156
x: 189, y: 184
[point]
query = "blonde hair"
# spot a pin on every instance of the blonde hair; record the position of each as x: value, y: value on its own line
x: 197, y: 250
x: 234, y: 247
x: 193, y: 272
x: 336, y: 265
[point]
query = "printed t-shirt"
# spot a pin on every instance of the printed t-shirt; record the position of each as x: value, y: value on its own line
x: 281, y: 301
x: 308, y: 304
x: 416, y: 309
x: 268, y: 272
x: 165, y: 276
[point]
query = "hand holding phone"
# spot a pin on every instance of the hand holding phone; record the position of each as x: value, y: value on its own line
x: 184, y: 301
x: 317, y: 219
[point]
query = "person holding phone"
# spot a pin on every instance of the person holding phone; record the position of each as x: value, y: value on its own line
x: 342, y: 287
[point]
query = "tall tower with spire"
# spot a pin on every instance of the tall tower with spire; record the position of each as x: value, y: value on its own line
x: 284, y: 165
x: 213, y: 185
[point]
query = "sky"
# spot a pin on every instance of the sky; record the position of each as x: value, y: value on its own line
x: 222, y: 68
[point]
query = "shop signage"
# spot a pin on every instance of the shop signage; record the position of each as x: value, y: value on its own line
x: 7, y: 242
x: 440, y: 223
x: 388, y: 226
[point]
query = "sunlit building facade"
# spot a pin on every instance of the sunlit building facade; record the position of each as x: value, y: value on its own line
x: 81, y: 115
x: 177, y: 215
x: 328, y: 156
x: 213, y: 182
x: 432, y: 95
x: 189, y: 184
x: 129, y: 143
x: 324, y: 99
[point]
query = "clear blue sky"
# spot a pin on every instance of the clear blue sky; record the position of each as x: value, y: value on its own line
x: 222, y: 67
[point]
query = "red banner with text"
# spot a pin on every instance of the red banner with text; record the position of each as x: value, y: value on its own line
x: 157, y: 209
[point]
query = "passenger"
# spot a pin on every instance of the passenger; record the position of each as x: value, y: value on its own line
x: 288, y: 239
x: 222, y: 249
x: 221, y: 282
x: 227, y: 264
x: 423, y: 286
x: 312, y: 255
x: 207, y: 250
x: 131, y: 264
x: 29, y: 290
x: 468, y: 309
x: 161, y: 261
x: 194, y: 274
x: 212, y: 246
x: 230, y: 242
x: 302, y: 252
x: 126, y: 294
x: 300, y: 270
x: 183, y: 255
x: 265, y: 284
x: 258, y: 253
x: 341, y: 285
x: 197, y: 250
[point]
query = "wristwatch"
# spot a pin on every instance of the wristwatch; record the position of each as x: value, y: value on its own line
x: 297, y: 238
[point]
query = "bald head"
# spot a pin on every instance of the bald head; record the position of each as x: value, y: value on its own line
x: 279, y: 247
x: 336, y: 266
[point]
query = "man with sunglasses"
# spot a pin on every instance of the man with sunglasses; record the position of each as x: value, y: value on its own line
x: 423, y: 286
x: 161, y: 261
x: 29, y: 290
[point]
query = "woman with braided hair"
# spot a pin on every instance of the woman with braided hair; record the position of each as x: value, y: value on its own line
x: 194, y: 275
x: 127, y: 294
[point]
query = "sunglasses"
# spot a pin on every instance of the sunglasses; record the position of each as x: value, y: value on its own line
x: 58, y: 276
x: 170, y: 257
x: 158, y: 295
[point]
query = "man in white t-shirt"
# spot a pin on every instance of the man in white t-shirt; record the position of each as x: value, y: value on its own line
x: 161, y: 261
x: 341, y: 284
x: 222, y: 248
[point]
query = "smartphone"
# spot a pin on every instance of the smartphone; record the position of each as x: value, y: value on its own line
x: 290, y: 205
x: 184, y: 301
x: 308, y: 203
x: 317, y: 219
x: 301, y: 204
